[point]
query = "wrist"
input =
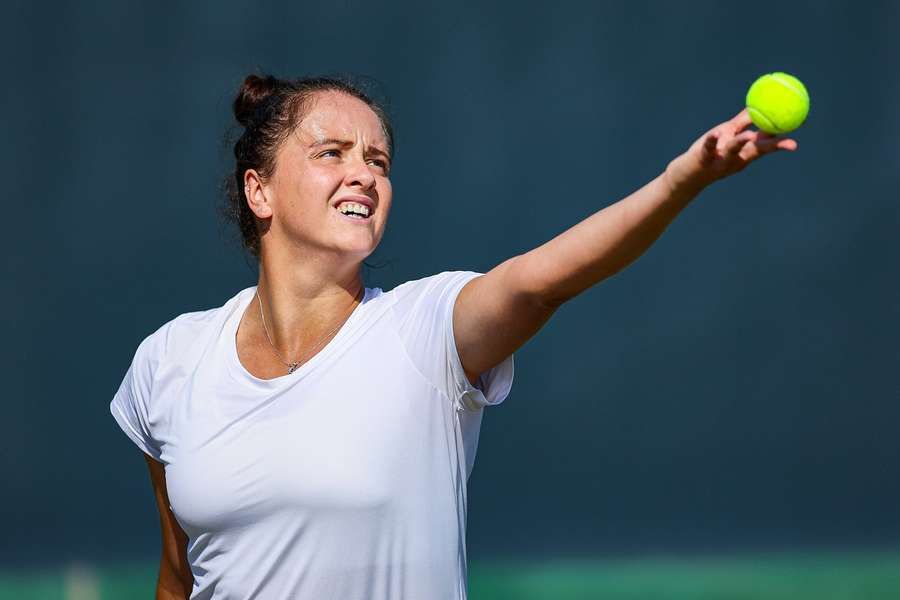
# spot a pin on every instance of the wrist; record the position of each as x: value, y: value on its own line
x: 682, y: 188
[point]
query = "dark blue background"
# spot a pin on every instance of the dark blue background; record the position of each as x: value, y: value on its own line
x: 735, y: 388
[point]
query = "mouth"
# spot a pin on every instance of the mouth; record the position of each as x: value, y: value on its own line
x: 354, y: 218
x: 356, y: 208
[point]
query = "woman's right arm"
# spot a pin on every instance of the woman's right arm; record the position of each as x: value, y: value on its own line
x: 175, y: 578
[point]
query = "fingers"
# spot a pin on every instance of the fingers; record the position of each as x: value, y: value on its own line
x: 749, y: 145
x: 735, y: 144
x: 710, y: 143
x: 787, y: 144
x: 742, y: 148
x: 765, y: 144
x: 741, y: 121
x: 768, y: 143
x: 764, y: 141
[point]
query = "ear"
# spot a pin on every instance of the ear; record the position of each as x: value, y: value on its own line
x: 255, y: 196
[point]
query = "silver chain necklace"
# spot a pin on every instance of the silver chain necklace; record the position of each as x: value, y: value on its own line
x: 293, y: 366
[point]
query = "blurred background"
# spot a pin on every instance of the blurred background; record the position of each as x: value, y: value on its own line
x: 719, y: 420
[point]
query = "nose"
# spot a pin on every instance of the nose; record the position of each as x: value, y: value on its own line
x: 359, y: 174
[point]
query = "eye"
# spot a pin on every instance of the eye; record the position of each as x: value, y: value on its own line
x: 380, y: 163
x: 336, y: 152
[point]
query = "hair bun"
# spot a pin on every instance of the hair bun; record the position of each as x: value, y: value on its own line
x: 253, y: 92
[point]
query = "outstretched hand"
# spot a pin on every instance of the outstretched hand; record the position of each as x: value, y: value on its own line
x: 724, y: 150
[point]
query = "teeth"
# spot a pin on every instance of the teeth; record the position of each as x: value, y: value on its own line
x: 354, y: 207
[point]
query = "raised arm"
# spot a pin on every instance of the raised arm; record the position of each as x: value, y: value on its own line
x: 498, y: 312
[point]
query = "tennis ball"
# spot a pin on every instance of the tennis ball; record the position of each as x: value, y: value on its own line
x: 777, y: 103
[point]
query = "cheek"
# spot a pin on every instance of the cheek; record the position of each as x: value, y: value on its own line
x: 385, y: 191
x: 321, y: 179
x: 312, y: 187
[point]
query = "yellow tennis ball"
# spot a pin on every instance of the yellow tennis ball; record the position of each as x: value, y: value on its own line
x: 777, y: 103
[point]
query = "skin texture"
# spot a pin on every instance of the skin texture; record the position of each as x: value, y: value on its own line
x: 175, y: 578
x: 317, y: 257
x: 497, y: 312
x: 724, y: 150
x: 311, y: 259
x: 310, y: 267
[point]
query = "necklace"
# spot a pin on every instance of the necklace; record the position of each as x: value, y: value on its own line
x: 293, y: 366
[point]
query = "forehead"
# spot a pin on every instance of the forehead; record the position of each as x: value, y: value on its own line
x: 337, y: 115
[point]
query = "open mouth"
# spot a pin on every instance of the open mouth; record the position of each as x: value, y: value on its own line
x: 354, y: 211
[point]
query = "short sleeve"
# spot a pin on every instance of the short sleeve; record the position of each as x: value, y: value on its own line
x: 424, y: 311
x: 130, y: 406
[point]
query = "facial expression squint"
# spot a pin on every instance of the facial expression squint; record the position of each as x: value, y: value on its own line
x: 338, y: 152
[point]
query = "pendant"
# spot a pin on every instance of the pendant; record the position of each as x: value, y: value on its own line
x: 293, y: 367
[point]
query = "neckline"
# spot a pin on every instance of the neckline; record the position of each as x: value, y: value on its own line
x: 244, y: 300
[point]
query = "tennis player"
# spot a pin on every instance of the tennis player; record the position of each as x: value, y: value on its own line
x: 311, y: 438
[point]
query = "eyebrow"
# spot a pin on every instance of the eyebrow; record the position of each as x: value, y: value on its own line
x: 346, y: 144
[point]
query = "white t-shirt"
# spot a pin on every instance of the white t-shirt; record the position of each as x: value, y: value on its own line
x: 345, y: 479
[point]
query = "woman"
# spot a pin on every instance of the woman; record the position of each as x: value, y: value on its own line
x: 311, y: 437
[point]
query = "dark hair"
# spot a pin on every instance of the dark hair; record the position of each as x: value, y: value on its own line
x: 269, y: 109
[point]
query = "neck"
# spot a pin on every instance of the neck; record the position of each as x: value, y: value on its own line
x: 302, y: 306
